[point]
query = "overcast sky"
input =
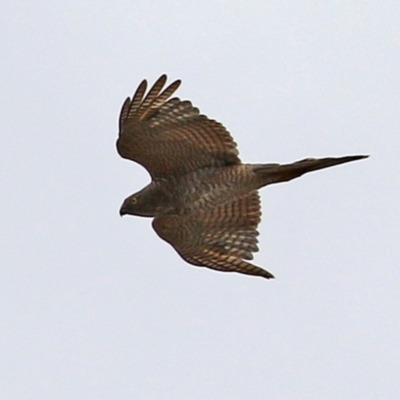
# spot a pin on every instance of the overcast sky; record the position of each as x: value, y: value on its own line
x: 94, y: 306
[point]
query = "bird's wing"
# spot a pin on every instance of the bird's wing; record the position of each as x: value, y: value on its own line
x: 170, y: 137
x: 220, y: 238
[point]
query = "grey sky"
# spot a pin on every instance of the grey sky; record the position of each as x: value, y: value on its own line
x: 93, y: 306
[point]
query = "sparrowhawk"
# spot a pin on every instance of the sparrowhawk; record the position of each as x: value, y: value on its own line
x: 203, y: 199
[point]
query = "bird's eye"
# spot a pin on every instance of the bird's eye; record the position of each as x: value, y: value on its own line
x: 133, y: 200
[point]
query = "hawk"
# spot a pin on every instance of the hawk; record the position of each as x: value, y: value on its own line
x: 203, y: 199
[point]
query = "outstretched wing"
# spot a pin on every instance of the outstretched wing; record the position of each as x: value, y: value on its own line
x: 170, y: 137
x: 221, y: 238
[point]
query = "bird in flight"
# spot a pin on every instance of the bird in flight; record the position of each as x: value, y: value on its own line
x: 203, y: 199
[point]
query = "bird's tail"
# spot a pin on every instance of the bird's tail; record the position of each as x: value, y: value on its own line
x: 274, y: 173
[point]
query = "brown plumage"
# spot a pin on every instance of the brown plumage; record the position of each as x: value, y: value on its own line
x: 204, y: 201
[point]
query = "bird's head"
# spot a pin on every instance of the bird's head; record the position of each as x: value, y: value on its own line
x: 147, y: 203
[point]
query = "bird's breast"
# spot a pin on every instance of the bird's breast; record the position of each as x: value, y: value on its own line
x: 209, y: 187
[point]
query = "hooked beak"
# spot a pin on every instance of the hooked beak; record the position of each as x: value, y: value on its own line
x: 122, y: 211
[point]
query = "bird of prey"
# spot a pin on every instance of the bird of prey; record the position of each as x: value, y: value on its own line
x: 203, y: 199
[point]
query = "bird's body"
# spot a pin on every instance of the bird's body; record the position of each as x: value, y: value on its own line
x: 204, y: 201
x: 214, y: 186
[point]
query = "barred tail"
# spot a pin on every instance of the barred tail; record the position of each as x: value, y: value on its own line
x: 274, y: 173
